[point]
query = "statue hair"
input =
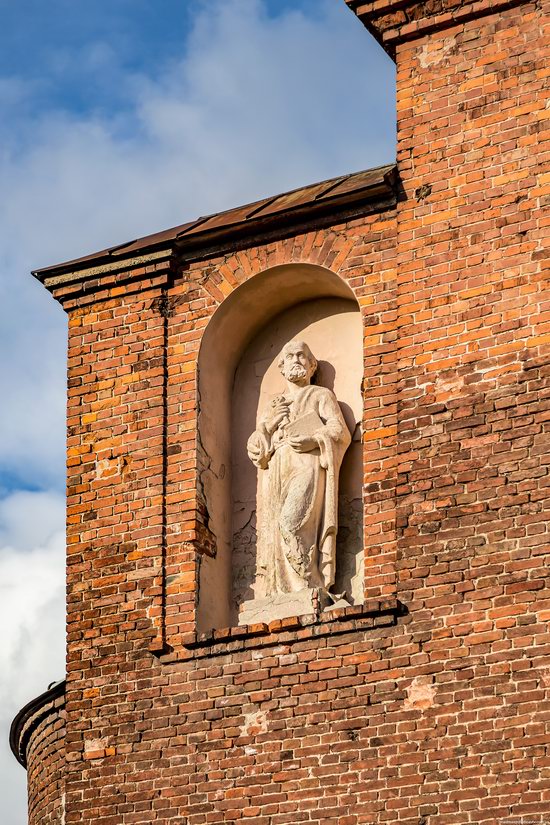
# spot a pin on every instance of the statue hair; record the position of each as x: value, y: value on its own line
x: 312, y: 359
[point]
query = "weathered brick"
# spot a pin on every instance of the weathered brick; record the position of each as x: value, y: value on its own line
x: 424, y: 704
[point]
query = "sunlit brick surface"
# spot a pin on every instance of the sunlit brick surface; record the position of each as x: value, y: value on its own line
x: 427, y: 708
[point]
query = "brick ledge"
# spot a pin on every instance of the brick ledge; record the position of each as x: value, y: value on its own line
x: 218, y: 642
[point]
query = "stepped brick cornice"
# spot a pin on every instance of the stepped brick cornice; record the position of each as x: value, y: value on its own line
x: 394, y: 21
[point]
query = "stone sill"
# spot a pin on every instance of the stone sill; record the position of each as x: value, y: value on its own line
x: 367, y: 616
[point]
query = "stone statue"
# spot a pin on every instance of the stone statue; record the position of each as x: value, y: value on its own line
x: 299, y: 444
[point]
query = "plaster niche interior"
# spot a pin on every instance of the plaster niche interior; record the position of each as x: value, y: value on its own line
x: 238, y: 375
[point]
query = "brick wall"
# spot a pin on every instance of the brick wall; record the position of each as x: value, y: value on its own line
x: 474, y: 343
x: 425, y: 705
x: 42, y: 739
x: 132, y: 559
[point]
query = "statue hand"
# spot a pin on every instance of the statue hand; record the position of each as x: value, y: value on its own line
x: 257, y: 455
x: 280, y: 413
x: 254, y: 451
x: 302, y: 444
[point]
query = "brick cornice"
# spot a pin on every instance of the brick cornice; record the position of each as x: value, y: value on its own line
x: 27, y: 720
x: 394, y: 21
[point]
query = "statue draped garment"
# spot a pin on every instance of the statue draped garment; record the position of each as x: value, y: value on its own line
x: 298, y: 494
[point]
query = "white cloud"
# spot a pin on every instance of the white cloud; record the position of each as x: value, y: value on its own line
x: 257, y: 105
x: 29, y: 520
x: 32, y: 617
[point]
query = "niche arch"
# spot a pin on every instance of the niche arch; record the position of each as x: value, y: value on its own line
x: 236, y: 373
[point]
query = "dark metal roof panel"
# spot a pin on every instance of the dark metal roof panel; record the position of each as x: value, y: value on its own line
x: 355, y: 183
x: 299, y: 197
x: 230, y: 218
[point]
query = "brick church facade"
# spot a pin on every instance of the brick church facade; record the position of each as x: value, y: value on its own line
x: 425, y: 701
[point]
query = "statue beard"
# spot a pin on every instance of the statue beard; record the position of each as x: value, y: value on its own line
x: 297, y: 373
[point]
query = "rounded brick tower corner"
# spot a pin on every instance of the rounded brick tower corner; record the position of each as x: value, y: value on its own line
x: 37, y: 740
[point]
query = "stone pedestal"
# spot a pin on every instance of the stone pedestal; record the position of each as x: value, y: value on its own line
x: 282, y: 605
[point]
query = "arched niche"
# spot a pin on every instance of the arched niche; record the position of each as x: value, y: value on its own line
x: 237, y: 373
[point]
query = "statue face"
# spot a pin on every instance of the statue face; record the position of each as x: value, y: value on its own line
x: 296, y: 363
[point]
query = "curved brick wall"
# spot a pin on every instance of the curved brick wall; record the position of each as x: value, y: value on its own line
x: 38, y: 742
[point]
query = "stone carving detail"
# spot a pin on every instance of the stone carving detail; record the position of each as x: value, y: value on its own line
x: 298, y: 447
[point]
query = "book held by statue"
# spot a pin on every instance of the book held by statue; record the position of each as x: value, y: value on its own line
x: 304, y: 427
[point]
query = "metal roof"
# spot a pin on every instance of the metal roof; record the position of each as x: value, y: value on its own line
x: 286, y: 209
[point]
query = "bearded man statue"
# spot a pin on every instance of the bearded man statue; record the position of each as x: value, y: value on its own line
x: 298, y: 447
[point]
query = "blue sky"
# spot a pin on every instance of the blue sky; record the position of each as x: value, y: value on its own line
x: 119, y: 118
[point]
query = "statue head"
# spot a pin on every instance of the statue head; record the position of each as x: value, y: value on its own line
x: 297, y: 362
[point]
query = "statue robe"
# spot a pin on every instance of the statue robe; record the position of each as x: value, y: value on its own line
x: 298, y: 495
